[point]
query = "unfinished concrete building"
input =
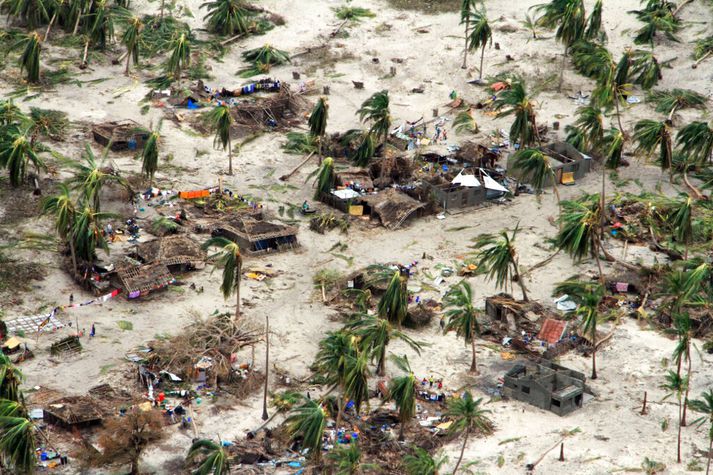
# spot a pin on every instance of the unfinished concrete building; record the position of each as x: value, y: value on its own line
x: 548, y: 386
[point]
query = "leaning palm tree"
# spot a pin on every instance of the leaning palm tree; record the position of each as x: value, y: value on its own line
x: 365, y: 150
x: 480, y: 35
x: 614, y: 148
x: 652, y: 134
x: 221, y: 120
x: 657, y: 16
x: 402, y: 390
x: 227, y: 17
x: 347, y: 460
x: 375, y: 334
x: 579, y: 232
x: 356, y: 381
x: 462, y: 316
x: 468, y: 417
x: 10, y: 114
x: 569, y: 17
x: 422, y: 463
x: 101, y: 26
x: 516, y: 101
x: 590, y: 59
x: 376, y: 111
x: 34, y: 13
x: 682, y: 351
x: 696, y: 139
x: 588, y: 311
x: 676, y: 386
x: 669, y: 101
x: 231, y: 260
x: 466, y: 8
x: 87, y: 232
x: 149, y: 154
x: 308, y: 421
x: 30, y: 59
x: 681, y: 221
x: 318, y: 123
x: 594, y: 23
x: 703, y: 50
x: 705, y: 406
x: 214, y: 458
x: 645, y: 69
x: 180, y: 57
x: 17, y: 437
x: 325, y: 178
x: 498, y: 256
x: 465, y: 122
x: 590, y: 121
x: 10, y: 379
x: 393, y: 305
x: 537, y: 167
x: 91, y: 176
x: 63, y: 210
x: 131, y: 39
x: 332, y: 362
x: 16, y: 152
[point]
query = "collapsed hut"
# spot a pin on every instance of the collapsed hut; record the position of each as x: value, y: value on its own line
x: 139, y: 281
x: 178, y: 253
x: 257, y: 237
x: 120, y: 135
x: 73, y: 412
x: 568, y: 164
x: 392, y: 207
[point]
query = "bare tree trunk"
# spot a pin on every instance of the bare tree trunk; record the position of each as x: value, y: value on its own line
x: 678, y: 443
x: 230, y: 156
x: 683, y: 4
x: 267, y: 366
x: 465, y: 49
x: 86, y: 52
x: 644, y: 411
x: 401, y: 430
x: 708, y: 464
x: 381, y: 367
x: 462, y: 449
x: 703, y: 58
x: 520, y: 281
x: 564, y: 62
x: 128, y: 61
x: 340, y: 410
x: 594, y: 359
x: 237, y: 294
x: 670, y: 114
x: 49, y: 27
x: 688, y: 385
x: 473, y: 366
x: 482, y: 57
x: 618, y: 114
x: 696, y: 192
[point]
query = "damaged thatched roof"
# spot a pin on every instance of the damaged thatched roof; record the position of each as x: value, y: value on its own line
x: 144, y: 279
x: 254, y: 230
x: 118, y: 133
x: 393, y: 207
x: 172, y: 250
x: 72, y: 410
x: 359, y: 176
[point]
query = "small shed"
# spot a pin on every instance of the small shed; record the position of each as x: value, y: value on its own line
x: 138, y: 281
x: 72, y: 411
x: 548, y: 386
x: 121, y: 134
x: 178, y: 252
x: 257, y: 237
x: 567, y: 162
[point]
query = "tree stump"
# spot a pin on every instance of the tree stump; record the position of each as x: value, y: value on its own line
x: 325, y: 90
x: 295, y: 75
x: 435, y: 112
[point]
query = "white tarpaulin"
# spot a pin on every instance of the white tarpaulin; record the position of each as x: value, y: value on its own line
x: 345, y: 194
x: 491, y: 184
x: 32, y: 324
x: 469, y: 181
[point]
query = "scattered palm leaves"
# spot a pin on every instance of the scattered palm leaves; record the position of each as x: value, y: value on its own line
x: 49, y: 123
x: 125, y: 325
x: 670, y: 100
x: 328, y: 221
x: 702, y: 50
x: 300, y: 144
x: 464, y: 122
x: 353, y: 14
x: 262, y: 60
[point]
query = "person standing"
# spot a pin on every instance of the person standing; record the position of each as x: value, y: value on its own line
x: 92, y: 331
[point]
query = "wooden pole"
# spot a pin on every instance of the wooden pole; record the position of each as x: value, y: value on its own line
x: 267, y: 367
x: 562, y: 452
x: 287, y: 177
x: 644, y: 410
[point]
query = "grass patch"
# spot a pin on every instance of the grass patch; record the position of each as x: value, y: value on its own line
x: 427, y: 6
x: 125, y: 325
x: 105, y: 369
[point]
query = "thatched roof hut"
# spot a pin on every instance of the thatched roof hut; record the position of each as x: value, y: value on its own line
x: 358, y: 176
x: 121, y: 134
x: 176, y: 250
x: 392, y: 207
x: 142, y: 280
x: 257, y: 237
x: 73, y: 411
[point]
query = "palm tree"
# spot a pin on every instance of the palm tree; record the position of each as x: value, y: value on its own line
x: 466, y: 9
x: 16, y: 151
x: 682, y: 351
x: 462, y: 316
x: 580, y: 225
x: 30, y: 58
x: 308, y: 421
x: 375, y: 334
x: 569, y: 18
x: 149, y: 154
x: 17, y: 437
x: 705, y: 406
x: 376, y: 110
x: 656, y: 16
x: 590, y: 121
x: 676, y: 385
x: 645, y: 69
x: 131, y: 39
x: 101, y: 28
x: 422, y: 463
x: 669, y: 101
x: 588, y: 310
x: 393, y: 305
x: 62, y: 208
x: 365, y: 151
x: 332, y: 362
x: 696, y: 139
x: 681, y: 221
x: 10, y: 379
x: 318, y: 123
x: 591, y: 59
x: 226, y: 17
x: 594, y: 23
x: 402, y: 389
x: 87, y: 232
x: 346, y: 460
x: 651, y: 134
x: 480, y: 35
x: 215, y: 458
x: 515, y: 101
x: 10, y: 114
x: 325, y: 178
x: 91, y: 177
x: 467, y: 416
x: 614, y: 141
x: 356, y: 382
x: 221, y: 121
x: 232, y: 261
x: 703, y: 50
x: 499, y: 257
x: 536, y: 166
x: 180, y: 57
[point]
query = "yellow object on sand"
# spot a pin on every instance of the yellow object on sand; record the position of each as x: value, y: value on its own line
x: 506, y: 355
x: 255, y: 276
x: 444, y: 425
x: 568, y: 178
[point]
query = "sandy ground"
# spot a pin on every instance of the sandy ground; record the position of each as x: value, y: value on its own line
x: 613, y: 437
